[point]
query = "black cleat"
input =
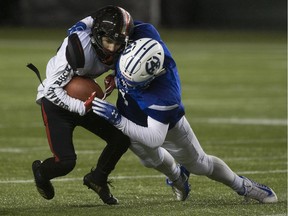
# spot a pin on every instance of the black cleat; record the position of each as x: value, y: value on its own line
x: 103, y: 191
x: 44, y: 186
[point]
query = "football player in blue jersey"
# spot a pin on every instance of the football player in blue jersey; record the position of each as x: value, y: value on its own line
x: 149, y: 110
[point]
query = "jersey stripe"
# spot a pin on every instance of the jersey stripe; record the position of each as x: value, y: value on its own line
x: 126, y: 21
x: 163, y: 108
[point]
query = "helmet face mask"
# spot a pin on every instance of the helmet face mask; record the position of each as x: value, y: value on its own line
x: 140, y: 63
x: 114, y: 23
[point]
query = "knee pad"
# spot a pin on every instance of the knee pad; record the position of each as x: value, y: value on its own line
x: 149, y: 157
x: 148, y: 163
x: 155, y: 158
x: 203, y: 166
x: 151, y: 162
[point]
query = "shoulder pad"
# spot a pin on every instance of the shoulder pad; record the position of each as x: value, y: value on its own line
x: 74, y: 52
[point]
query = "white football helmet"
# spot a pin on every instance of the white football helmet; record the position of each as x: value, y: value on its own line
x: 141, y: 62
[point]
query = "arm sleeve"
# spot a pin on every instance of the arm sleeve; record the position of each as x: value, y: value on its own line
x: 82, y: 25
x: 55, y: 93
x: 58, y: 74
x: 152, y: 136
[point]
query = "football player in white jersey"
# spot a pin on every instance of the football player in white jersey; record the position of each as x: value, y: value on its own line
x: 149, y: 110
x: 90, y: 53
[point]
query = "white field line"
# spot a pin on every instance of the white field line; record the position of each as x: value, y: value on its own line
x: 134, y: 177
x: 276, y: 215
x: 20, y: 150
x: 241, y: 121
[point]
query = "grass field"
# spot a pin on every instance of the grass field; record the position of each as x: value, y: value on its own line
x: 234, y: 91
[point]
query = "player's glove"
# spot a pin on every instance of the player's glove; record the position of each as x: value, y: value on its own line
x: 106, y: 110
x: 88, y: 102
x: 109, y: 83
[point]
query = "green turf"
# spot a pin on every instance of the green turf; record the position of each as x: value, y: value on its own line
x: 234, y: 91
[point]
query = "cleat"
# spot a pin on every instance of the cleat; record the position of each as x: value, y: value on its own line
x: 181, y: 186
x: 44, y: 186
x: 257, y: 191
x: 103, y: 191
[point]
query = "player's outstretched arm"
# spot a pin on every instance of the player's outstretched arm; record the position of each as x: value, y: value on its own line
x: 152, y: 136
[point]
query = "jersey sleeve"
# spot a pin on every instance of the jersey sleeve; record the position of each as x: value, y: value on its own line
x: 55, y: 93
x: 58, y: 74
x: 81, y: 25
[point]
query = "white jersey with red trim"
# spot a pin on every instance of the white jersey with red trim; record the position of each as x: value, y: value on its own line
x: 59, y: 73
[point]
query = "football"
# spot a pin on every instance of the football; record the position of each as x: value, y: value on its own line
x: 82, y: 87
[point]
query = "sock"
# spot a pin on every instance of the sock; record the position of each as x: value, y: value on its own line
x: 222, y: 173
x: 100, y: 177
x: 237, y: 185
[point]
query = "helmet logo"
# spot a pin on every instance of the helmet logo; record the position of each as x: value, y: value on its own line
x: 129, y: 48
x: 152, y: 65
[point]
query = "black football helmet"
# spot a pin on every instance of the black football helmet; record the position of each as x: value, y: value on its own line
x: 112, y: 22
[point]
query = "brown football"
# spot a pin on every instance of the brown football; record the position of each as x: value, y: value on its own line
x: 82, y: 87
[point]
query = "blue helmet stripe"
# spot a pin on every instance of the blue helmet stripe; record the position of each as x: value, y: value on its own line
x: 139, y: 50
x: 142, y: 57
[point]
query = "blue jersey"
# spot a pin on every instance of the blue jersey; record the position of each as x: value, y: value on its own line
x: 162, y: 99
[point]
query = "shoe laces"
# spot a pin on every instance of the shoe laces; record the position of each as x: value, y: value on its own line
x: 252, y: 184
x: 258, y: 184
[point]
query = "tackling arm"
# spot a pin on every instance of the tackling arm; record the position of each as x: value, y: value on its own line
x: 152, y: 136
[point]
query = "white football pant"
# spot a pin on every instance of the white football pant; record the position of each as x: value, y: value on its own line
x: 182, y: 146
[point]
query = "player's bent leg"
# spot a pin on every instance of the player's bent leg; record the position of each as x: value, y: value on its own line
x: 117, y: 145
x: 48, y: 169
x: 161, y: 160
x: 242, y: 185
x: 185, y: 148
x: 219, y: 171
